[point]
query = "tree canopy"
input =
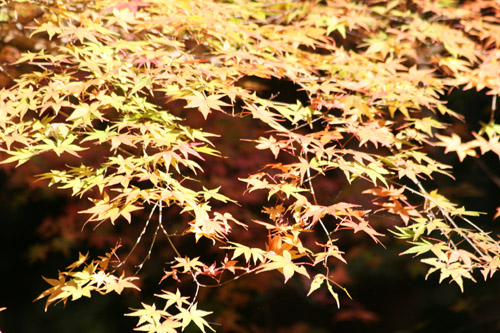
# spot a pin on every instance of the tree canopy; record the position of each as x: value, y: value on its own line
x: 233, y: 138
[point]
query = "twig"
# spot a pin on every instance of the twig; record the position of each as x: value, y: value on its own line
x: 138, y: 239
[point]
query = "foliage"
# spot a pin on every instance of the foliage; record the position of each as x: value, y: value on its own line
x: 115, y: 88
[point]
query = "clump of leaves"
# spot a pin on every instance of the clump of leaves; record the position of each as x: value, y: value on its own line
x: 373, y: 73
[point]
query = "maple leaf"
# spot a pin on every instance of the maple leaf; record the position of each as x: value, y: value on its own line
x: 271, y: 144
x: 332, y: 251
x: 316, y: 283
x: 284, y: 264
x: 454, y: 143
x: 194, y: 315
x: 215, y: 228
x: 375, y: 133
x: 263, y: 113
x: 173, y: 298
x: 81, y: 259
x: 204, y: 103
x: 362, y: 226
x: 439, y: 249
x: 55, y: 292
x: 188, y: 264
x: 172, y: 273
x: 148, y: 314
x: 255, y: 254
x: 122, y: 283
x: 230, y: 265
x: 405, y: 212
x: 492, y: 144
x: 274, y: 212
x: 214, y: 193
x: 168, y: 326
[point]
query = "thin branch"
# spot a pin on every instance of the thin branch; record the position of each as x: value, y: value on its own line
x: 138, y: 239
x: 450, y: 220
x: 148, y: 256
x: 160, y: 223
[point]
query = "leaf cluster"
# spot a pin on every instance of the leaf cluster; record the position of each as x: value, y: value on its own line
x: 123, y: 79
